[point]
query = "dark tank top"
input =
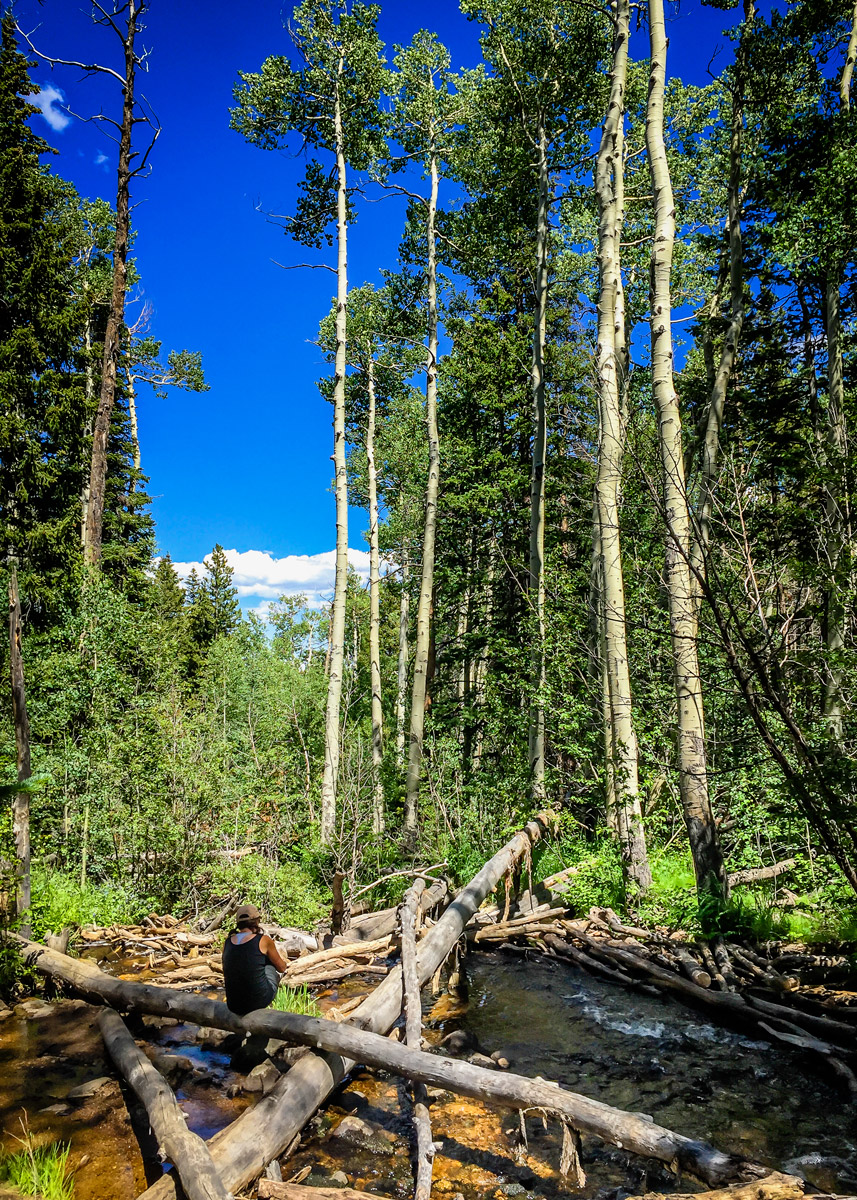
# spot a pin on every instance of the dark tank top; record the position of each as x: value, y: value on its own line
x: 247, y: 985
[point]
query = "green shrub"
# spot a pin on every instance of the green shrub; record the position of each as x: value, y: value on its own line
x: 296, y: 1000
x: 59, y: 899
x: 285, y: 892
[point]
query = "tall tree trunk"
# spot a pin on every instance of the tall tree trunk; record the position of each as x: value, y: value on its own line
x: 836, y: 437
x: 848, y: 67
x: 89, y: 392
x: 337, y: 622
x: 21, y: 802
x: 402, y: 664
x: 421, y: 652
x: 374, y: 611
x: 693, y: 779
x: 116, y: 312
x: 621, y: 740
x: 537, y: 480
x: 731, y: 338
x: 836, y: 509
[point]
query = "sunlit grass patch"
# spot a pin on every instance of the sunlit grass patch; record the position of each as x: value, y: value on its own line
x: 38, y: 1170
x: 296, y: 1000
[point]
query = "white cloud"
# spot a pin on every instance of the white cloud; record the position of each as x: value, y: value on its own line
x: 45, y: 101
x: 261, y: 577
x: 101, y: 159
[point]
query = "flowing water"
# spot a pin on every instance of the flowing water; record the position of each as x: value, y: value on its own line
x: 639, y: 1052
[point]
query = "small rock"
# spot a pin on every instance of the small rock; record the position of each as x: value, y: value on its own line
x: 83, y: 1091
x: 172, y: 1066
x: 436, y: 1093
x: 482, y: 1060
x: 460, y: 1041
x: 5, y: 1012
x: 512, y: 1189
x: 365, y: 1135
x: 501, y: 1060
x: 262, y: 1078
x: 59, y: 1109
x: 31, y: 1010
x: 210, y: 1039
x: 338, y: 1179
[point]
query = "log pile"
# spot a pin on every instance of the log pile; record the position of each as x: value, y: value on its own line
x: 763, y: 993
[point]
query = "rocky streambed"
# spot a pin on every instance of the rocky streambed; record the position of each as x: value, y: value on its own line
x: 646, y: 1054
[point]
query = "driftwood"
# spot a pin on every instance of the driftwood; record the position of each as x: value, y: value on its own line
x: 423, y: 1147
x: 757, y: 874
x: 269, y: 1190
x: 346, y: 1044
x: 189, y: 1152
x: 373, y: 925
x: 775, y: 1186
x: 244, y: 1148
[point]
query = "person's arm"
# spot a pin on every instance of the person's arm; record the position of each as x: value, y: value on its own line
x: 269, y: 948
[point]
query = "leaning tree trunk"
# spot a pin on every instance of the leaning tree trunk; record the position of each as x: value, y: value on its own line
x: 424, y: 606
x: 95, y: 497
x: 723, y: 374
x: 693, y: 778
x: 374, y: 611
x: 21, y: 801
x: 336, y: 647
x: 537, y: 479
x: 621, y: 739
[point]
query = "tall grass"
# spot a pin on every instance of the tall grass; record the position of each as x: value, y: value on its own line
x: 38, y: 1170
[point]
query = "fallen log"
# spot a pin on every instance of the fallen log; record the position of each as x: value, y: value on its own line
x: 775, y: 1186
x: 271, y: 1190
x: 370, y: 926
x: 189, y: 1153
x: 424, y: 1146
x: 244, y: 1148
x: 345, y: 1044
x: 729, y: 1004
x: 757, y: 874
x: 303, y: 962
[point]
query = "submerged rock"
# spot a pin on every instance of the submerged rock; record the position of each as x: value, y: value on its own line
x: 364, y: 1135
x: 84, y: 1091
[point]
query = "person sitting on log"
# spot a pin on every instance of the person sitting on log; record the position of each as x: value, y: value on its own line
x: 252, y: 964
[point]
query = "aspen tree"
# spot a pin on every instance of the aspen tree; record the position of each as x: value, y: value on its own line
x: 331, y: 101
x: 424, y: 117
x: 693, y: 778
x: 621, y: 740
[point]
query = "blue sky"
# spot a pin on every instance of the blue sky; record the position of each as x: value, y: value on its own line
x: 246, y: 464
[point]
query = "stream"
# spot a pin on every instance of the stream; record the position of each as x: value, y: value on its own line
x: 643, y: 1053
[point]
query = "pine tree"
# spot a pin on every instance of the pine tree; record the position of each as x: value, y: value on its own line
x: 222, y: 596
x: 40, y: 393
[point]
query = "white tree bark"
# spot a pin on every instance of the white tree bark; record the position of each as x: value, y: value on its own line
x: 693, y: 776
x: 374, y: 611
x: 620, y: 737
x: 336, y: 648
x: 421, y: 650
x: 537, y: 480
x: 402, y: 663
